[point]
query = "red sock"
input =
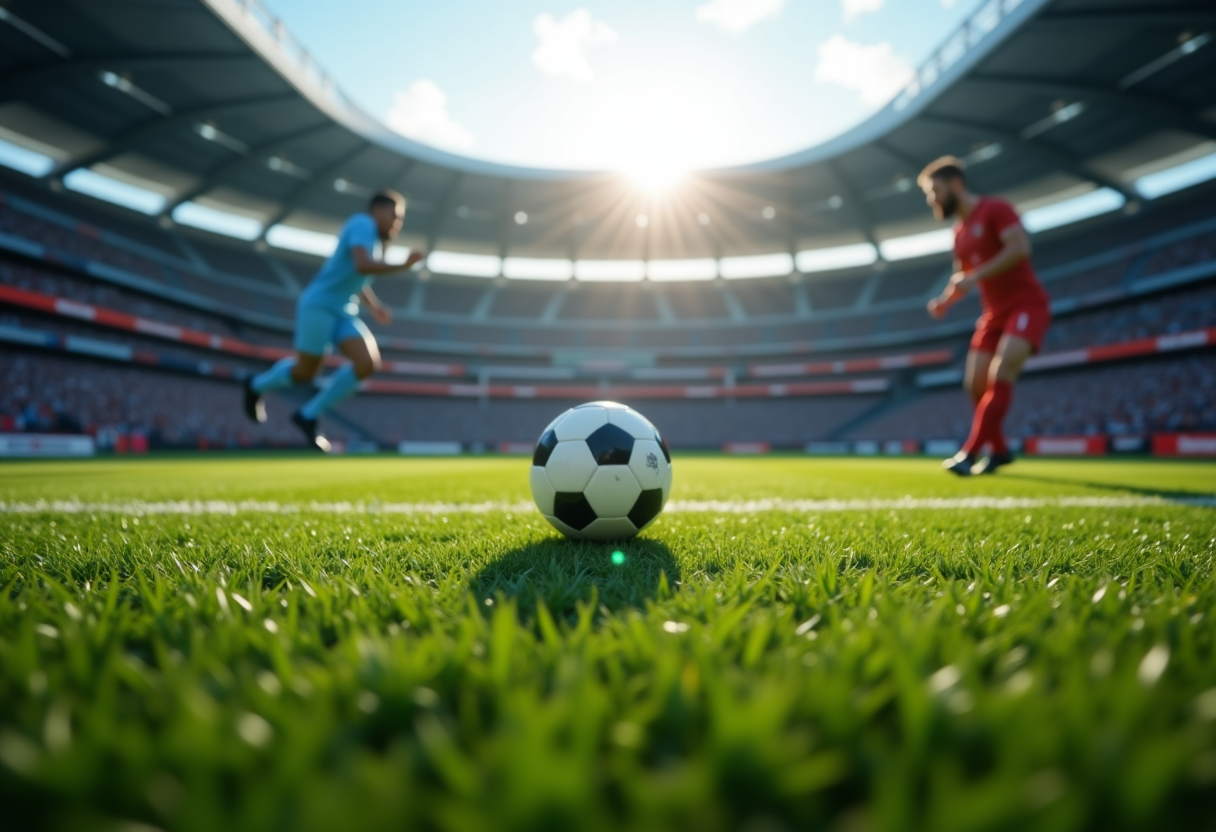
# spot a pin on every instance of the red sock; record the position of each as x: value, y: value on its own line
x: 989, y: 415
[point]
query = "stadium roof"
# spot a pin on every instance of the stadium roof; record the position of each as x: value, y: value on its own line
x: 212, y: 106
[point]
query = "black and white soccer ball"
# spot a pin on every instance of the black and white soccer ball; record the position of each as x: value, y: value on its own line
x: 601, y: 471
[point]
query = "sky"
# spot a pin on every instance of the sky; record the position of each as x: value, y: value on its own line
x: 625, y: 85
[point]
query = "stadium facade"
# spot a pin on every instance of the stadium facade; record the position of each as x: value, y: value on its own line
x: 780, y: 302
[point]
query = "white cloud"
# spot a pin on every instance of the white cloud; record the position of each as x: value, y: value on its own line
x: 855, y: 8
x: 564, y: 43
x: 421, y: 112
x: 875, y: 72
x: 737, y: 16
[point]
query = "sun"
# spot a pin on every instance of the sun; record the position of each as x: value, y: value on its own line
x: 654, y: 176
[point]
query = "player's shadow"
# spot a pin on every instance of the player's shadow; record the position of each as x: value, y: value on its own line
x: 562, y: 574
x: 1123, y: 487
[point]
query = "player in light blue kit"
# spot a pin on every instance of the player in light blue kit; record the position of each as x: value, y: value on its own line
x: 327, y: 315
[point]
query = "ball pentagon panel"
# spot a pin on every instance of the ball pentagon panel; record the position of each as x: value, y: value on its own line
x: 646, y: 508
x: 610, y: 445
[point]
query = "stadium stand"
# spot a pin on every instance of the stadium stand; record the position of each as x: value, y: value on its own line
x: 789, y: 358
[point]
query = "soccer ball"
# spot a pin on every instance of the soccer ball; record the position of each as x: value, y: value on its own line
x: 600, y: 471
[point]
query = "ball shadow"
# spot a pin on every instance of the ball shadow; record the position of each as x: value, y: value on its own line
x: 563, y: 573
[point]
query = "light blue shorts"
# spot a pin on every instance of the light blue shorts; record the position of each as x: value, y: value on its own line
x: 319, y: 328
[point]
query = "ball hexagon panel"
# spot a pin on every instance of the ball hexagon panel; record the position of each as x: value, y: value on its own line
x: 544, y: 447
x: 580, y: 423
x: 632, y: 422
x: 647, y: 507
x: 610, y: 445
x: 570, y: 466
x: 609, y: 528
x: 573, y: 509
x: 542, y: 490
x: 612, y: 491
x: 649, y: 465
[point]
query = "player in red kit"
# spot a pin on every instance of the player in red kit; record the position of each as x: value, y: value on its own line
x: 991, y: 253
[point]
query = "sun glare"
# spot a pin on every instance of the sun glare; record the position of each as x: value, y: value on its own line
x: 655, y: 177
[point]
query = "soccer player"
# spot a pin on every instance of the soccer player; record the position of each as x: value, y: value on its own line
x: 991, y: 253
x: 327, y: 315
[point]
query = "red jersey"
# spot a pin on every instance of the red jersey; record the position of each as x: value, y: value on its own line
x: 978, y: 239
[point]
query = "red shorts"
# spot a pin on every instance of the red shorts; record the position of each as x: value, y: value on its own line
x: 1025, y: 320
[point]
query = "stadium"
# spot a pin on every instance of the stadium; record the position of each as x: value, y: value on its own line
x: 206, y: 624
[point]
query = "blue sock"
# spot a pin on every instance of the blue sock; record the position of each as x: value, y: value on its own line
x: 278, y: 377
x: 339, y: 386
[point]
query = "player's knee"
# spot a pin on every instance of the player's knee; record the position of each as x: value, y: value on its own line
x: 367, y: 366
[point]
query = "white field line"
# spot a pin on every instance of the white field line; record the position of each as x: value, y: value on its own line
x: 229, y: 507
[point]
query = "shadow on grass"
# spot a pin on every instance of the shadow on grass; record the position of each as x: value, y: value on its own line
x: 1122, y: 487
x: 562, y: 573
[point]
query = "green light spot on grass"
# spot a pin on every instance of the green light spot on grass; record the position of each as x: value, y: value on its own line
x: 618, y: 558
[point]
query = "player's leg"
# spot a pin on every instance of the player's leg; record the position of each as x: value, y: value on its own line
x: 356, y: 343
x: 975, y: 381
x: 313, y: 328
x: 1011, y: 356
x: 975, y: 376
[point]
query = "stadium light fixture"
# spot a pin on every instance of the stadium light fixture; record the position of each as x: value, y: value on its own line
x: 1073, y: 209
x: 1178, y: 177
x: 668, y: 270
x: 1066, y: 113
x: 534, y: 268
x: 29, y: 162
x: 124, y: 85
x: 623, y: 271
x: 302, y: 240
x: 216, y: 221
x: 983, y: 154
x: 917, y: 245
x: 213, y: 134
x: 760, y: 265
x: 345, y: 186
x: 839, y: 257
x: 85, y: 181
x: 521, y: 217
x: 468, y: 265
x: 1187, y: 47
x: 280, y: 165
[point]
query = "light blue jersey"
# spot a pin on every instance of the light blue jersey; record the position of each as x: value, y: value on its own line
x: 338, y: 284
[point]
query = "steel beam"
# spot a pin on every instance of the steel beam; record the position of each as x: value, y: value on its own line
x: 1059, y: 158
x: 144, y: 130
x: 24, y: 82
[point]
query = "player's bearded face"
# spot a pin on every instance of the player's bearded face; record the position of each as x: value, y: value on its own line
x: 942, y: 199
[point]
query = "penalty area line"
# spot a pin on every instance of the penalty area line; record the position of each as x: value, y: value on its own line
x: 234, y: 507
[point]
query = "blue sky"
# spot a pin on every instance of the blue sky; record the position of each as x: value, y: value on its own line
x: 628, y: 84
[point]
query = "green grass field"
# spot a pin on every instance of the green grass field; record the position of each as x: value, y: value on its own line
x: 392, y: 644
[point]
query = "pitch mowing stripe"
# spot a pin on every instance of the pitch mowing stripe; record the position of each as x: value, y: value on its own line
x: 229, y: 507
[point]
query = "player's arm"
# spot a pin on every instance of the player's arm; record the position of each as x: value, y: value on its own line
x: 381, y: 312
x: 1015, y: 248
x: 950, y: 295
x: 369, y: 266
